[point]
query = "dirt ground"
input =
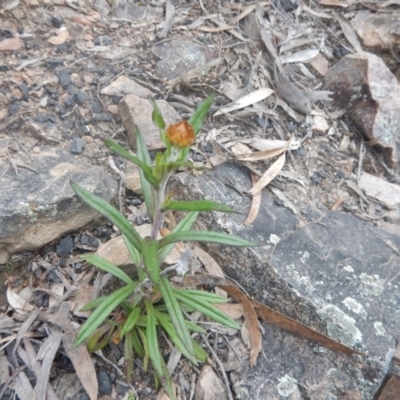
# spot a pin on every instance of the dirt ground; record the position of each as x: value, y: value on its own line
x: 57, y: 57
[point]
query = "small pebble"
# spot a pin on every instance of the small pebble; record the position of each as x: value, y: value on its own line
x: 77, y: 146
x: 65, y: 246
x: 88, y: 139
x: 64, y: 78
x: 36, y: 150
x: 53, y: 276
x: 14, y: 108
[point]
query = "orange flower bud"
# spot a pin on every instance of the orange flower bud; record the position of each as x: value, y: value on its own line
x: 180, y: 134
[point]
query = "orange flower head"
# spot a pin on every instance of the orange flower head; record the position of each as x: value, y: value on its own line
x: 180, y: 134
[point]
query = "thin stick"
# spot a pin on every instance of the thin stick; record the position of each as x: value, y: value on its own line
x: 220, y: 365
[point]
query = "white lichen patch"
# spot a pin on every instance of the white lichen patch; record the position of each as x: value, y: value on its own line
x: 354, y: 306
x: 301, y: 279
x: 305, y: 256
x: 286, y: 386
x: 274, y: 239
x: 340, y: 326
x: 348, y: 268
x: 380, y: 330
x: 373, y: 285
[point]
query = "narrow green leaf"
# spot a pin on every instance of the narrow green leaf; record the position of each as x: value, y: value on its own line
x: 196, y: 205
x: 200, y: 353
x: 193, y: 327
x: 147, y: 170
x: 128, y: 357
x: 152, y: 340
x: 150, y: 259
x: 105, y: 265
x: 157, y: 117
x: 147, y: 188
x: 208, y: 310
x: 202, y: 295
x: 136, y: 343
x: 205, y: 236
x: 175, y: 313
x: 103, y: 311
x: 169, y: 328
x: 183, y: 226
x: 93, y: 304
x: 196, y: 120
x: 130, y: 321
x: 166, y: 380
x: 135, y: 255
x: 109, y: 212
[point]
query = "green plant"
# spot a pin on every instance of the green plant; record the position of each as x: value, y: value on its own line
x: 139, y: 308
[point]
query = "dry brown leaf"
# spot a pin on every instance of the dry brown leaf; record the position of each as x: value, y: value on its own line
x: 250, y: 319
x: 335, y: 3
x: 286, y: 202
x: 255, y: 203
x: 269, y: 175
x: 209, y: 263
x: 263, y: 155
x: 14, y: 43
x: 303, y: 56
x: 296, y: 327
x: 234, y: 311
x: 249, y: 99
x: 349, y: 32
x: 61, y: 37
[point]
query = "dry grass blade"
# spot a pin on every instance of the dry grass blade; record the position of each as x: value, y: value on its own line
x: 249, y: 99
x: 255, y: 203
x: 348, y: 31
x: 263, y: 155
x: 274, y: 317
x: 269, y: 175
x: 250, y: 319
x: 169, y: 19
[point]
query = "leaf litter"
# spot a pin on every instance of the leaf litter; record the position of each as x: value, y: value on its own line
x: 270, y: 92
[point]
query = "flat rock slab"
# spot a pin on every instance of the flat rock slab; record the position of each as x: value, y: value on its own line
x: 339, y: 276
x: 36, y: 208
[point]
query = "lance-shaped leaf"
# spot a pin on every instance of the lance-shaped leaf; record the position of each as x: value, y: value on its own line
x: 169, y: 328
x: 93, y: 304
x: 128, y: 357
x: 207, y: 309
x: 152, y: 340
x: 105, y: 265
x: 196, y: 205
x: 150, y: 259
x: 100, y: 338
x: 109, y: 212
x: 147, y: 189
x: 183, y: 226
x: 156, y: 116
x: 203, y: 295
x: 147, y: 170
x: 103, y: 311
x: 131, y: 321
x: 136, y: 343
x: 175, y: 313
x: 205, y: 236
x: 196, y: 120
x: 135, y: 256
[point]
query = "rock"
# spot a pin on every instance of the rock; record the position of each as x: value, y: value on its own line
x: 65, y: 246
x: 135, y: 111
x: 69, y: 387
x: 39, y: 207
x: 338, y: 277
x: 378, y: 30
x: 209, y: 386
x: 102, y: 7
x: 123, y: 86
x: 65, y: 78
x: 77, y: 145
x: 132, y: 177
x: 105, y: 382
x: 391, y: 389
x: 363, y: 85
x: 179, y: 56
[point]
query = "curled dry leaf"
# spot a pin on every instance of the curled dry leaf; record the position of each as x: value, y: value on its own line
x: 249, y: 99
x: 349, y: 32
x: 269, y: 175
x: 255, y: 204
x: 18, y: 303
x: 300, y: 56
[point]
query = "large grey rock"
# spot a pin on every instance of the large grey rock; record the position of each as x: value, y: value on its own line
x: 36, y: 208
x: 364, y: 86
x: 338, y: 276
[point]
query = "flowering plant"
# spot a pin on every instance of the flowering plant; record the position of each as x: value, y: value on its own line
x: 151, y: 302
